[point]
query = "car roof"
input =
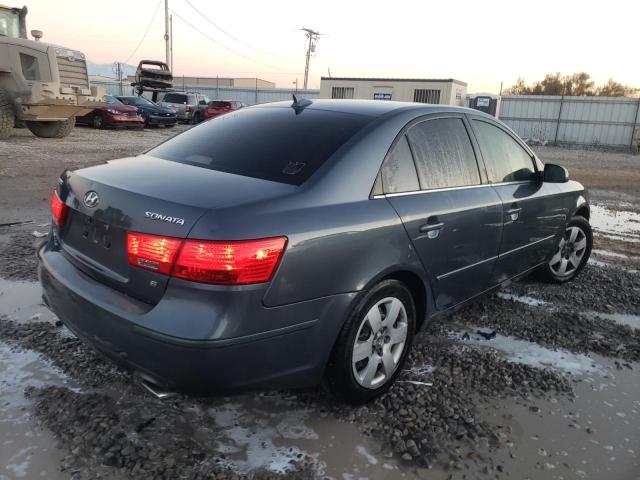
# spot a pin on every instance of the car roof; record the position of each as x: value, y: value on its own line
x: 373, y: 108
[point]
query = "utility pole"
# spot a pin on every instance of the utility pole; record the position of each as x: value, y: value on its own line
x: 117, y: 69
x: 167, y: 38
x: 313, y: 38
x: 171, y: 42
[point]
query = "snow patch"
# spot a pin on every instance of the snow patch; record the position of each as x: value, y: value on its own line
x: 621, y: 223
x: 529, y: 353
x: 533, y: 302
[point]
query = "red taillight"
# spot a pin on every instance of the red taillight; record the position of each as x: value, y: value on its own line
x: 59, y: 210
x: 187, y: 108
x: 229, y: 263
x: 152, y: 252
x: 236, y: 262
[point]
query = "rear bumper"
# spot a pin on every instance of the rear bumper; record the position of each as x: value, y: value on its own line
x: 188, y: 341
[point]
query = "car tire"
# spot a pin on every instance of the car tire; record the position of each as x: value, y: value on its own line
x: 52, y: 129
x: 571, y: 254
x: 370, y: 350
x: 7, y: 115
x: 96, y: 122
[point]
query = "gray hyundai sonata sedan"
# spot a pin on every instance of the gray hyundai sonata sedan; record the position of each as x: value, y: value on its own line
x: 284, y: 244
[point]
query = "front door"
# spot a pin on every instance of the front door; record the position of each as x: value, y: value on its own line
x: 533, y: 213
x: 431, y: 178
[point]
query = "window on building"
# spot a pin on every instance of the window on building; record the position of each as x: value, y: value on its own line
x: 398, y: 171
x: 342, y: 92
x: 426, y: 95
x: 443, y: 153
x: 506, y: 160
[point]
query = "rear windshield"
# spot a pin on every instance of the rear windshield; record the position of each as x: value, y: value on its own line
x: 271, y: 143
x: 174, y: 98
x: 219, y: 104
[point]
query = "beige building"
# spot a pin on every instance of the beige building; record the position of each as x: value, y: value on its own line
x: 440, y: 91
x: 214, y: 82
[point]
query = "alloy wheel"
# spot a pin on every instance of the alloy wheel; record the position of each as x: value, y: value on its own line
x: 97, y: 121
x: 379, y: 343
x: 569, y: 253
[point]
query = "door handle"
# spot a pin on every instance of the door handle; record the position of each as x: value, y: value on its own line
x: 513, y: 213
x: 432, y: 228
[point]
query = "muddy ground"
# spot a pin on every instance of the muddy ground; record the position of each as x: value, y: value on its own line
x: 554, y: 394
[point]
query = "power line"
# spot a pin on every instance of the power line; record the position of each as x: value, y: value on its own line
x: 279, y: 69
x: 233, y: 36
x: 145, y: 33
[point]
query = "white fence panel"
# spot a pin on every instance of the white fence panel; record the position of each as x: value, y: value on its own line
x: 610, y: 121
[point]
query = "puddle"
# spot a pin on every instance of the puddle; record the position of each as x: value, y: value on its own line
x: 27, y: 451
x: 533, y: 302
x: 616, y: 224
x: 628, y: 319
x: 273, y: 432
x: 22, y: 301
x: 529, y: 353
x: 593, y: 435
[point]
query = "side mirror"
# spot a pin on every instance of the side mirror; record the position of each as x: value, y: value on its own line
x: 555, y: 173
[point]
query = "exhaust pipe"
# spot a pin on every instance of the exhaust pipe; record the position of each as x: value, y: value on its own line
x: 156, y: 391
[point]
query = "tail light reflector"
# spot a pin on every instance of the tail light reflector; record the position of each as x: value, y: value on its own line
x: 187, y: 108
x: 152, y: 252
x: 59, y: 210
x: 229, y: 263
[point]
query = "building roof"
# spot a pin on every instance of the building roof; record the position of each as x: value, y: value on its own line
x: 366, y: 79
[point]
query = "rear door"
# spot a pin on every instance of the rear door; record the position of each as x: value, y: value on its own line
x: 532, y: 210
x: 433, y: 180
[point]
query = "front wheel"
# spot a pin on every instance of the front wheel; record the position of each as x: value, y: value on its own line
x: 51, y: 129
x: 373, y: 344
x: 97, y: 122
x: 571, y: 253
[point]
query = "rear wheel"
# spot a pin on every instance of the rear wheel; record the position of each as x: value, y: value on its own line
x: 52, y: 129
x: 571, y: 254
x: 373, y: 344
x: 7, y: 116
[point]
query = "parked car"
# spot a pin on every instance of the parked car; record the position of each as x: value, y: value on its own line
x: 152, y: 113
x: 190, y: 107
x: 289, y: 243
x: 153, y: 74
x: 113, y: 114
x: 219, y: 107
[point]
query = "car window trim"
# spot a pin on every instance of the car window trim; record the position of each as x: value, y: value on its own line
x: 413, y: 161
x: 447, y: 189
x: 521, y: 144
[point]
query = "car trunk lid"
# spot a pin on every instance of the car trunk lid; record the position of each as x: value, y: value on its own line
x: 143, y: 195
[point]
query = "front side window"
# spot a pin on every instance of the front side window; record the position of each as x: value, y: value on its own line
x: 30, y: 68
x: 443, y: 153
x: 506, y: 160
x: 398, y: 172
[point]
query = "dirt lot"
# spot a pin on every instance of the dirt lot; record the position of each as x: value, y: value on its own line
x: 554, y: 394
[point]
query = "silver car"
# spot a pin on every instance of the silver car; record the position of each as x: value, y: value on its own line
x: 189, y: 106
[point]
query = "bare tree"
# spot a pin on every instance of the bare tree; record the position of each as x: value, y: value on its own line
x: 615, y: 89
x: 577, y: 84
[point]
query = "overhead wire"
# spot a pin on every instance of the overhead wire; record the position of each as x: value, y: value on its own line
x: 240, y: 54
x: 153, y: 17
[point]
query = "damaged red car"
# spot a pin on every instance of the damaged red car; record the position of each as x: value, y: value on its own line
x: 113, y: 114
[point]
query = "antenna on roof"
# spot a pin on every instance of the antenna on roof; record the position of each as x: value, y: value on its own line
x: 299, y: 104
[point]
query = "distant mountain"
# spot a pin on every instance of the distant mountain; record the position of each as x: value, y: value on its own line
x: 106, y: 69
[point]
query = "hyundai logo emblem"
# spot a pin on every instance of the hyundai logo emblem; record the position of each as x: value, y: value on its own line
x: 91, y: 199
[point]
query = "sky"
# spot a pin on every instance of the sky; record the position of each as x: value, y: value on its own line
x: 483, y: 43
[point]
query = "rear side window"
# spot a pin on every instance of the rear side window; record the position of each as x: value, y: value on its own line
x: 272, y: 143
x: 506, y: 160
x: 219, y: 104
x: 398, y: 172
x: 174, y: 98
x: 443, y: 153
